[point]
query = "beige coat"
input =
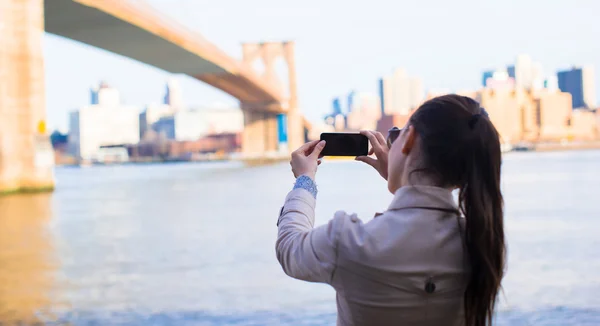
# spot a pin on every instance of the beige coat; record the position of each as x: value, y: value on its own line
x: 404, y: 267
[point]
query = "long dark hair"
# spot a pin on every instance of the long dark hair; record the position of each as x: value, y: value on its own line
x: 461, y: 148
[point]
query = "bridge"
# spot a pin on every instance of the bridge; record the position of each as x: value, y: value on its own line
x: 135, y: 30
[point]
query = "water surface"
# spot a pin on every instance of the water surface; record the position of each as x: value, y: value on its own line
x: 193, y: 244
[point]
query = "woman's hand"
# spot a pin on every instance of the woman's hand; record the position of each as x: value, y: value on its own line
x: 306, y: 159
x: 380, y: 149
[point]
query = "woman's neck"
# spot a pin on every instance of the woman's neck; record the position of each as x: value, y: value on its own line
x: 419, y: 178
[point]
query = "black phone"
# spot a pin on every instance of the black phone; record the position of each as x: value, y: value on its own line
x: 344, y: 144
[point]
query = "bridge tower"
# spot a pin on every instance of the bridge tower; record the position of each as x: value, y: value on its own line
x: 26, y: 156
x: 272, y: 127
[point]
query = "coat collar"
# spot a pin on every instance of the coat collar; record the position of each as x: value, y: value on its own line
x: 423, y: 197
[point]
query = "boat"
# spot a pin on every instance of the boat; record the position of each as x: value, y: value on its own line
x: 524, y: 147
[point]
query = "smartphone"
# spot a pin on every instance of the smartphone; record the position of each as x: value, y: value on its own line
x: 344, y: 144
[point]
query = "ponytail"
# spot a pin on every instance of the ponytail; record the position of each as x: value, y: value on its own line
x: 461, y: 149
x: 480, y: 200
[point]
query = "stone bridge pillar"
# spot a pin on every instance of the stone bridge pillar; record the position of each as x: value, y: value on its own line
x: 261, y: 120
x: 260, y: 137
x: 26, y: 156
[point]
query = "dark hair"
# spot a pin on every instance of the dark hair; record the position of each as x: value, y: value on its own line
x: 461, y: 148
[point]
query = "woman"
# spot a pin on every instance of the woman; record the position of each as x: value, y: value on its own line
x: 420, y: 262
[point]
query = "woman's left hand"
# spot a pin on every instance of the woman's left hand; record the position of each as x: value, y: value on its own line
x: 306, y: 159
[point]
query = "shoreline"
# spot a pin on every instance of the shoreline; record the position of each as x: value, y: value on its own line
x: 557, y: 147
x: 262, y: 161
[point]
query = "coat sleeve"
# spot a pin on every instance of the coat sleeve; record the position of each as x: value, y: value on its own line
x: 304, y: 252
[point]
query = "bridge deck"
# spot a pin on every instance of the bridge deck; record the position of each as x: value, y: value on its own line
x: 139, y: 32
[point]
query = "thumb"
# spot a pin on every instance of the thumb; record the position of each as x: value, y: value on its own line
x: 317, y: 150
x: 366, y: 159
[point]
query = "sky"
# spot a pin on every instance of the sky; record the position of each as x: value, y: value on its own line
x: 341, y: 45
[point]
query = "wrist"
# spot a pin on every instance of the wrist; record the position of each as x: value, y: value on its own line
x: 307, y: 183
x: 308, y: 175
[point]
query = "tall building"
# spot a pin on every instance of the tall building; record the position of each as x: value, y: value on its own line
x: 93, y: 95
x: 503, y: 106
x: 365, y: 112
x: 584, y: 125
x: 151, y: 114
x: 401, y: 91
x: 523, y: 72
x: 537, y: 76
x: 553, y: 112
x: 485, y: 76
x: 351, y: 101
x: 417, y: 93
x: 520, y: 115
x: 104, y: 94
x: 551, y: 83
x: 106, y: 123
x: 337, y: 106
x: 173, y: 94
x: 589, y: 87
x: 339, y: 123
x: 511, y: 71
x: 385, y: 94
x: 580, y: 83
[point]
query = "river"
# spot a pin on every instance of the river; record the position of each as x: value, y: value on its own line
x: 193, y: 244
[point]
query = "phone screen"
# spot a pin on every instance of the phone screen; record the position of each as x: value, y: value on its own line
x: 345, y: 144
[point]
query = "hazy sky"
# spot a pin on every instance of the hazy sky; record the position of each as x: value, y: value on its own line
x: 343, y: 45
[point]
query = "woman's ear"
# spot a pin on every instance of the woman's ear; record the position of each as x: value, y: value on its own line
x: 409, y: 141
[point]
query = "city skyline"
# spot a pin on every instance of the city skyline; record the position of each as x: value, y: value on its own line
x: 72, y: 67
x: 105, y: 129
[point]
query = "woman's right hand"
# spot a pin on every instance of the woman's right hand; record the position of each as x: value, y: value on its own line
x: 380, y: 149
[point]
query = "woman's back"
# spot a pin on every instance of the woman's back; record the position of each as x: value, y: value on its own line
x: 406, y: 265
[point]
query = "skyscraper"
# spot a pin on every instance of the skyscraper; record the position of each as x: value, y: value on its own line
x: 173, y: 94
x: 351, y: 101
x: 486, y: 75
x: 382, y: 95
x: 511, y: 71
x: 401, y: 91
x: 551, y: 83
x: 93, y: 95
x: 523, y: 72
x: 336, y: 106
x: 105, y: 94
x: 537, y: 76
x: 580, y: 83
x: 365, y: 111
x: 108, y: 122
x: 386, y: 94
x: 416, y: 92
x: 589, y: 87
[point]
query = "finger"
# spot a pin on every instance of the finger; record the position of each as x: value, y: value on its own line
x: 381, y: 138
x: 319, y: 161
x: 311, y: 148
x: 371, y: 151
x: 369, y: 160
x: 376, y: 146
x: 317, y: 150
x: 304, y: 148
